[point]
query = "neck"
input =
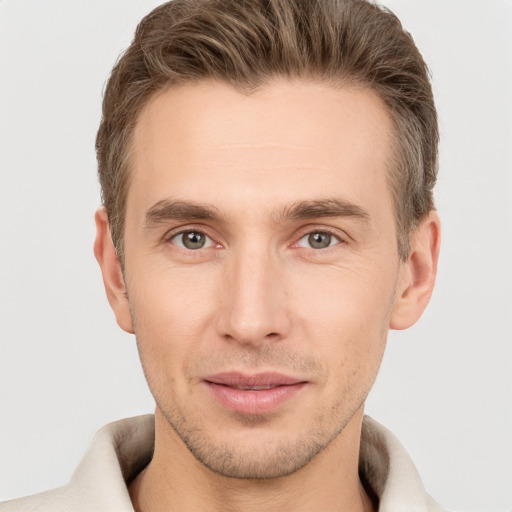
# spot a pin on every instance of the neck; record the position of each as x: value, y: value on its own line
x: 178, y: 482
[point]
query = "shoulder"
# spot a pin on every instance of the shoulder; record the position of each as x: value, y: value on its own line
x: 118, y: 451
x: 390, y: 473
x: 56, y: 500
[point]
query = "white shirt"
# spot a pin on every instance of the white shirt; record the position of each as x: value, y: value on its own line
x: 121, y: 449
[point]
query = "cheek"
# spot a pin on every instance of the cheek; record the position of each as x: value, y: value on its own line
x: 172, y: 310
x: 345, y: 313
x: 360, y: 297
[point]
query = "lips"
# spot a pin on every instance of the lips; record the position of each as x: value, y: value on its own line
x: 253, y: 394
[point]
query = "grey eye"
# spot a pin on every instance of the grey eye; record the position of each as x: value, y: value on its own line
x: 191, y: 240
x: 318, y: 240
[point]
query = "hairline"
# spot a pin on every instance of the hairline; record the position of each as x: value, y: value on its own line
x: 394, y: 139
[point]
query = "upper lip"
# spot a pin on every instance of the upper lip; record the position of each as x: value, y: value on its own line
x: 251, y: 381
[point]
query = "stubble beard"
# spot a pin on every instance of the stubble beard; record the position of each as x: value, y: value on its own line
x: 278, y: 458
x: 272, y: 460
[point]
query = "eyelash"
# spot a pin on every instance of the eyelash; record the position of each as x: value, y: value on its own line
x: 215, y: 245
x: 200, y: 231
x: 321, y: 231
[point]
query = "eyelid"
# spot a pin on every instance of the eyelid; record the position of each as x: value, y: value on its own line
x: 173, y: 233
x: 340, y: 235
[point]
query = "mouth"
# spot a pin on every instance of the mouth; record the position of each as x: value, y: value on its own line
x: 254, y: 388
x: 253, y: 394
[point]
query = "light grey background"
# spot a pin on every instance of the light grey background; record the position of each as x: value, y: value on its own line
x: 66, y: 369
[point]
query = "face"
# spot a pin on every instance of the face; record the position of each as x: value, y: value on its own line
x: 261, y: 266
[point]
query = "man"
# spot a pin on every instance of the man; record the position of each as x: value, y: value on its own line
x: 267, y: 172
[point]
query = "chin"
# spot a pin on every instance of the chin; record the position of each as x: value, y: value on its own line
x: 255, y: 448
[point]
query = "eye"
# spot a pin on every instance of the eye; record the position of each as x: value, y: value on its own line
x: 318, y: 240
x: 192, y: 240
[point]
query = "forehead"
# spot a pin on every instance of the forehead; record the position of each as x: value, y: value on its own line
x: 287, y: 140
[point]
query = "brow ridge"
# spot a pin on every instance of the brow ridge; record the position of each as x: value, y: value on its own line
x: 167, y: 209
x: 333, y: 207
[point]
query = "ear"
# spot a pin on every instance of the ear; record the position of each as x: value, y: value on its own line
x: 417, y: 274
x: 112, y: 273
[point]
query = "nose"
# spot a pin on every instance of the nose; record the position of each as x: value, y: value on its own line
x: 253, y: 296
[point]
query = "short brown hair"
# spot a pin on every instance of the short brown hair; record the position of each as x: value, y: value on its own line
x: 248, y: 42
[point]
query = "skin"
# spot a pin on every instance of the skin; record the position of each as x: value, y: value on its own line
x: 256, y: 175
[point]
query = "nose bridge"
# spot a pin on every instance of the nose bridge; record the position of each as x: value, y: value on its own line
x: 254, y: 295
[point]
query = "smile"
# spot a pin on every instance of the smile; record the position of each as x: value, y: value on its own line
x: 255, y: 388
x: 253, y: 394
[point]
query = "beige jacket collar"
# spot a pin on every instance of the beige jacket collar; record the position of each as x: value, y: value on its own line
x: 121, y: 449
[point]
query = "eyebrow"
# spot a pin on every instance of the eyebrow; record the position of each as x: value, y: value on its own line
x: 168, y: 210
x: 304, y: 210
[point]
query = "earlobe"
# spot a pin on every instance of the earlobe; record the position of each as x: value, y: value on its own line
x: 418, y: 274
x: 112, y: 272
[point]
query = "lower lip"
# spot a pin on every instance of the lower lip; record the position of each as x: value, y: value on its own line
x: 254, y: 402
